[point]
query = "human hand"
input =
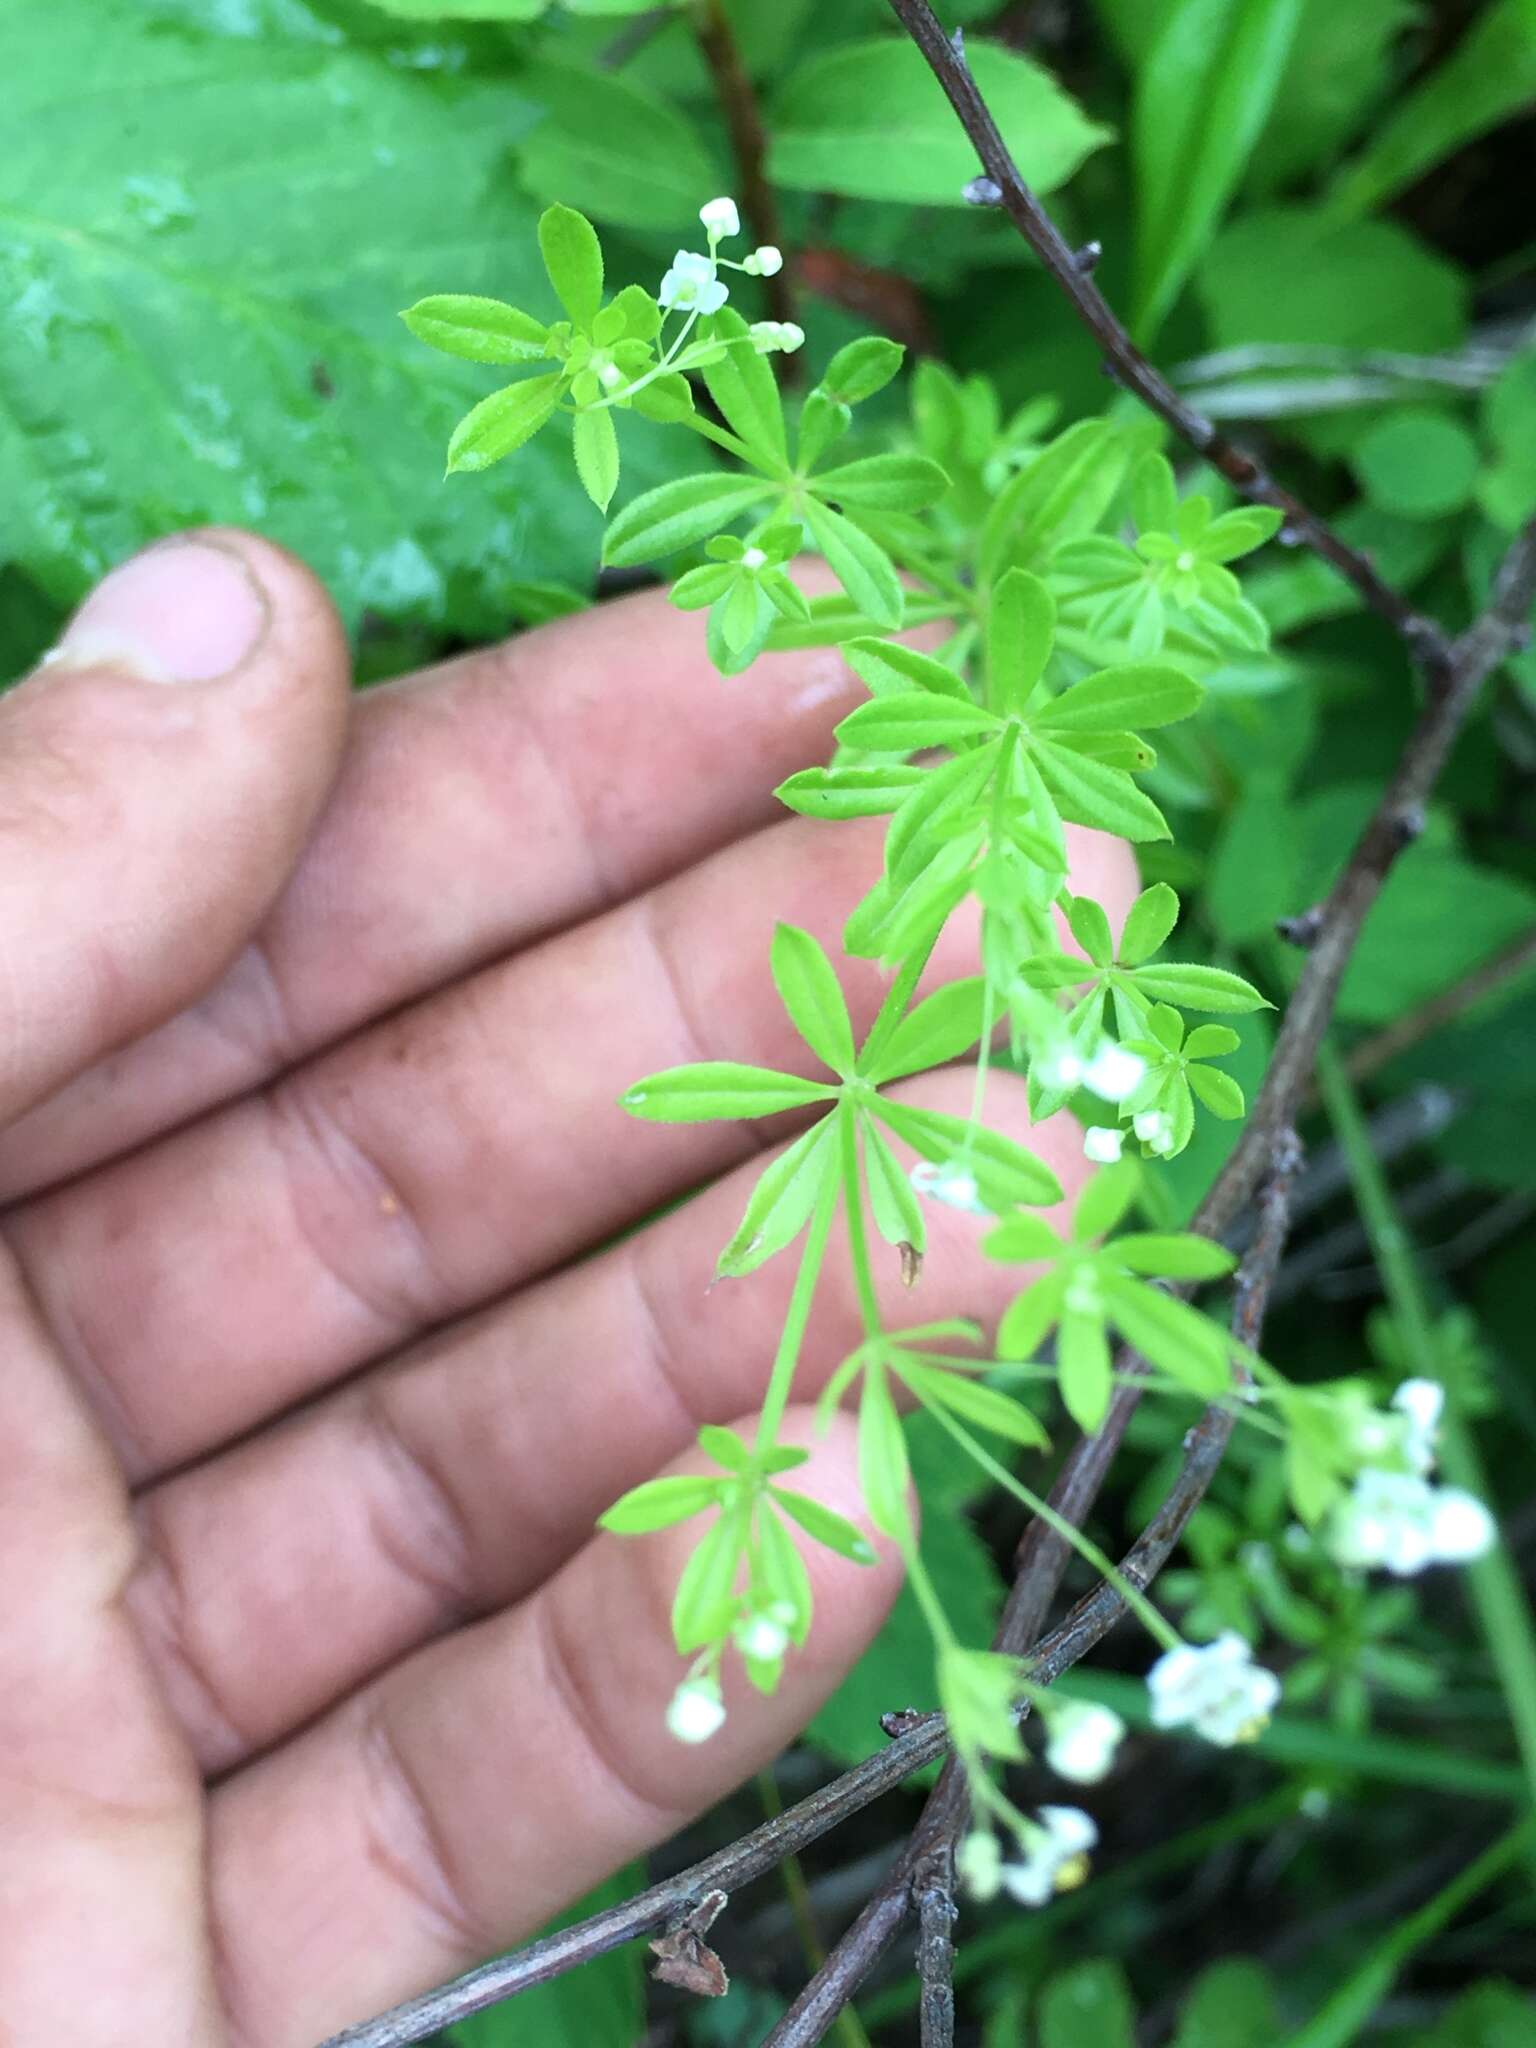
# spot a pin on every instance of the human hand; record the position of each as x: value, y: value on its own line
x: 316, y: 1684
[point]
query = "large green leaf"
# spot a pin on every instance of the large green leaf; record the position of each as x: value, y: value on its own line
x: 1489, y: 76
x: 615, y: 150
x: 869, y: 120
x: 203, y: 285
x: 1202, y: 97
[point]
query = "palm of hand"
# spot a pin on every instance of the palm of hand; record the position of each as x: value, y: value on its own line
x: 316, y: 1685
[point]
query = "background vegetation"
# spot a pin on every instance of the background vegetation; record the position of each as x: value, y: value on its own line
x: 210, y: 212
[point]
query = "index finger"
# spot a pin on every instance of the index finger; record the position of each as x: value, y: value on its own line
x: 480, y: 805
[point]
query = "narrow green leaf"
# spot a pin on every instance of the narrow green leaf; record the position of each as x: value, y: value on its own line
x: 1139, y: 695
x: 892, y: 725
x: 847, y: 792
x: 884, y: 1473
x: 659, y: 1503
x: 1176, y: 1257
x: 702, y: 1605
x: 1147, y: 924
x: 893, y: 1200
x: 714, y: 1089
x: 892, y: 670
x: 1030, y: 1317
x: 1210, y: 1042
x: 1083, y: 1367
x: 809, y: 990
x: 742, y: 384
x: 781, y: 1571
x: 597, y: 455
x: 861, y: 565
x: 1090, y: 793
x: 1005, y: 1171
x: 1063, y: 493
x: 940, y: 799
x: 861, y: 368
x: 884, y: 483
x: 1202, y: 98
x: 678, y: 515
x: 1105, y: 1200
x: 573, y: 256
x: 1154, y: 495
x: 1221, y: 1095
x: 973, y: 1402
x: 1090, y: 927
x: 725, y: 1447
x: 502, y: 422
x: 1018, y: 1238
x: 827, y: 1527
x: 1021, y: 627
x: 780, y: 1204
x: 940, y: 1029
x: 1186, y: 1345
x: 480, y: 330
x: 1199, y: 988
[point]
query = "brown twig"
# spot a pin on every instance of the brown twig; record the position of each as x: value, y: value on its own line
x: 749, y: 144
x: 1074, y: 274
x: 1383, y: 1046
x: 935, y: 1889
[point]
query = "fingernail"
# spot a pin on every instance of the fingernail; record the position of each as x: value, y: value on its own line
x: 186, y: 611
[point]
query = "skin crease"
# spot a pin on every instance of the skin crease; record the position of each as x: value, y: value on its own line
x: 315, y: 1683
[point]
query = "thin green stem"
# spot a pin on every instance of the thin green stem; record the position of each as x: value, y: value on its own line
x: 1156, y: 1626
x: 798, y: 1314
x: 1349, y: 2010
x: 797, y: 1894
x: 1498, y: 1598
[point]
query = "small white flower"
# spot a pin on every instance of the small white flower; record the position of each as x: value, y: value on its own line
x: 691, y: 285
x: 1154, y: 1127
x: 762, y: 1636
x: 1216, y: 1689
x: 1083, y: 1741
x: 1185, y: 561
x: 697, y: 1710
x: 979, y: 1864
x: 1420, y: 1403
x: 1061, y: 1068
x: 765, y: 261
x: 753, y: 558
x: 1102, y: 1144
x: 1400, y: 1523
x: 1055, y: 1856
x: 1463, y: 1527
x: 720, y: 219
x: 610, y: 376
x: 1113, y: 1072
x: 783, y: 335
x: 949, y: 1182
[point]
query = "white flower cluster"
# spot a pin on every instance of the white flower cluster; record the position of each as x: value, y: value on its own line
x: 1396, y: 1520
x: 1054, y: 1857
x: 1216, y: 1689
x: 693, y: 284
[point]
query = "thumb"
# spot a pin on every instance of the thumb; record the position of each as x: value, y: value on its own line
x: 159, y: 773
